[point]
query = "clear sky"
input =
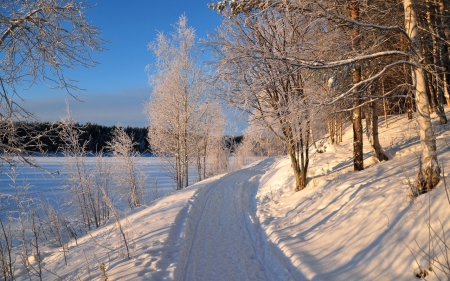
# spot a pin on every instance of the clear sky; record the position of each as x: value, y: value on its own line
x: 116, y: 89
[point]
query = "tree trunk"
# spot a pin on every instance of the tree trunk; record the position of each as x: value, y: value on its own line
x: 358, y: 160
x: 436, y: 92
x: 336, y: 130
x: 312, y: 138
x: 385, y: 105
x: 304, y: 154
x: 330, y: 130
x: 296, y: 169
x: 204, y: 157
x: 299, y: 169
x: 429, y: 171
x: 372, y: 132
x: 409, y: 107
x: 444, y: 32
x: 199, y: 166
x: 299, y: 181
x: 430, y: 90
x: 185, y: 139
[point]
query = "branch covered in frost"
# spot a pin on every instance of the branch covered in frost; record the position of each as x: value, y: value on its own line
x: 316, y: 64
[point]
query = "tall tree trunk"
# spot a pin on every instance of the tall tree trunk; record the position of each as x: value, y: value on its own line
x: 430, y: 90
x: 178, y: 172
x: 358, y: 160
x: 437, y: 93
x: 429, y: 171
x: 444, y: 32
x: 179, y: 152
x: 185, y: 140
x: 295, y: 167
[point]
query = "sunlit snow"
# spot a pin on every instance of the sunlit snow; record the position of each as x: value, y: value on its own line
x: 251, y: 225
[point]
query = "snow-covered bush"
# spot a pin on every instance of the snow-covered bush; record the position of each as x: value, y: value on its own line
x: 127, y: 174
x: 82, y: 179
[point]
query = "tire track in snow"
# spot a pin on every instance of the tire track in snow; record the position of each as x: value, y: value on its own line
x: 193, y: 220
x: 223, y: 238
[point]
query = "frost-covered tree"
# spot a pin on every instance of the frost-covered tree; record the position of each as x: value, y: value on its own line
x: 276, y: 93
x: 83, y: 183
x: 176, y: 105
x: 39, y: 39
x: 257, y: 142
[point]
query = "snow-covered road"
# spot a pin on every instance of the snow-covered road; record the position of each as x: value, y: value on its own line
x: 224, y: 239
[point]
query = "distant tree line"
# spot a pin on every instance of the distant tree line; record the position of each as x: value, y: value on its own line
x: 96, y: 135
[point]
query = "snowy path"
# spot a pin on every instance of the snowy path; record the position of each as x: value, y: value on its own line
x: 224, y: 239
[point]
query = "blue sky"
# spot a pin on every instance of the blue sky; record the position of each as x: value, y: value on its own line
x: 116, y: 89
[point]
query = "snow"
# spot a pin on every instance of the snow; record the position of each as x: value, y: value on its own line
x: 224, y: 240
x: 251, y: 225
x: 355, y: 225
x: 50, y: 187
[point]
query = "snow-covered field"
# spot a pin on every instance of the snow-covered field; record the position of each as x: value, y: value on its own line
x: 250, y: 225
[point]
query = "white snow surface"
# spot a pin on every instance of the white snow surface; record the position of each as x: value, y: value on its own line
x: 224, y: 239
x: 251, y: 225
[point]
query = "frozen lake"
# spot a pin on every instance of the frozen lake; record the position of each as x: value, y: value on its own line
x: 50, y: 188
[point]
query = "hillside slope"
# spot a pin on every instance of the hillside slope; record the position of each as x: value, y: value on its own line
x: 360, y: 225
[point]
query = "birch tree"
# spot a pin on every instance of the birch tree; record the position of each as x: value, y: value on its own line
x: 175, y: 107
x: 429, y: 170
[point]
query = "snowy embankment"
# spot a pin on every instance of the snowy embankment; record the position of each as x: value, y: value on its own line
x: 250, y: 225
x: 359, y: 225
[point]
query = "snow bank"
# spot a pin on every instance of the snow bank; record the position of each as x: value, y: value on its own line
x: 153, y: 233
x: 358, y: 225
